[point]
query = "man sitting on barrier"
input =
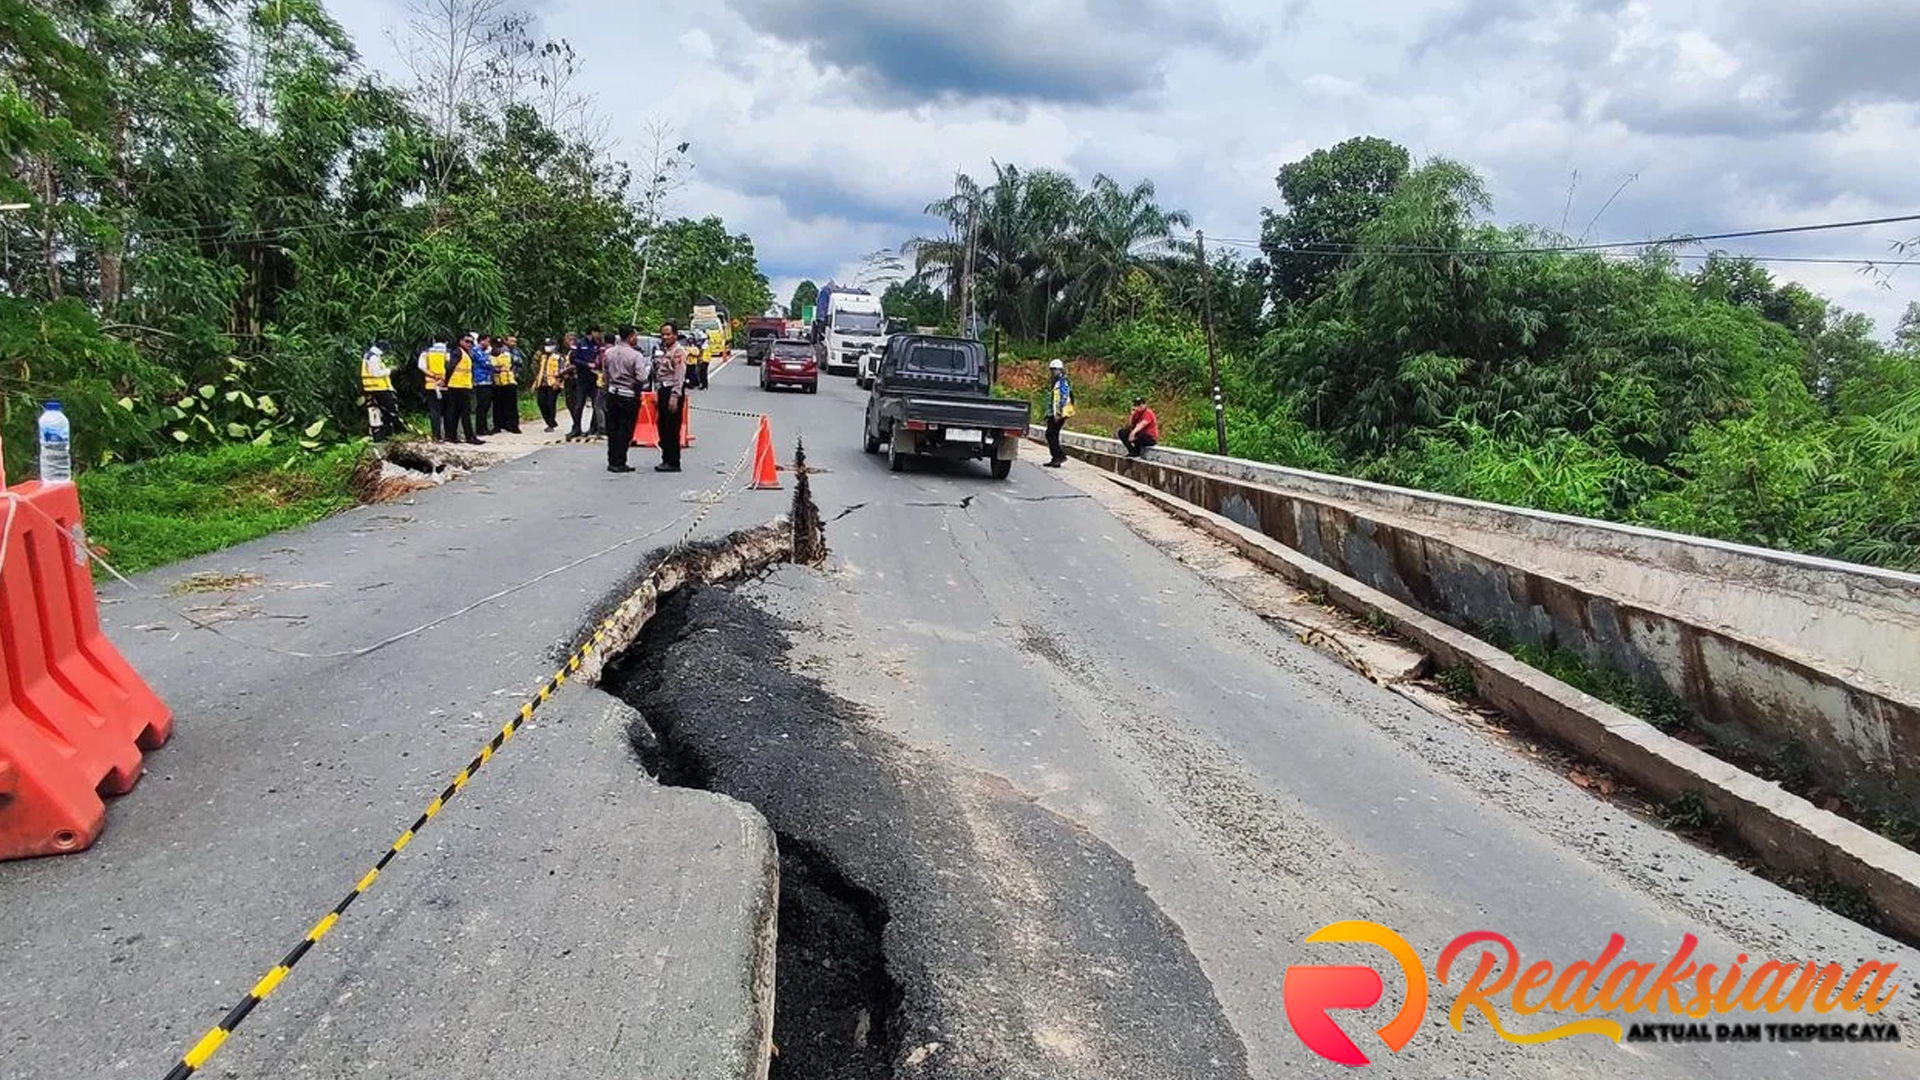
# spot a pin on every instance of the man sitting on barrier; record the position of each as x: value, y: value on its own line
x: 1142, y: 432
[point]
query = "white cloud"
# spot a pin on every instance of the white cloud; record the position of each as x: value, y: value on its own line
x: 823, y: 140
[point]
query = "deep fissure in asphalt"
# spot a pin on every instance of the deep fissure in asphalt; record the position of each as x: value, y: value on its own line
x: 834, y: 1000
x: 934, y: 919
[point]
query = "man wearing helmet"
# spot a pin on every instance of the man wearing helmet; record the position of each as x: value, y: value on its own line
x: 1059, y: 407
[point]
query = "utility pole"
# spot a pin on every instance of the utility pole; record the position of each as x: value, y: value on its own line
x: 646, y: 260
x: 1213, y: 357
x: 966, y: 281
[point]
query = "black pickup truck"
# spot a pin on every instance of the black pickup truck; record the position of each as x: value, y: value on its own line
x: 933, y: 397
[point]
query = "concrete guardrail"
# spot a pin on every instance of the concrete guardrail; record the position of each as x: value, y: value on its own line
x: 1788, y: 657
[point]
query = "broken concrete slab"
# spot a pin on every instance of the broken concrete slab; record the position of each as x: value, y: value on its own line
x: 563, y: 917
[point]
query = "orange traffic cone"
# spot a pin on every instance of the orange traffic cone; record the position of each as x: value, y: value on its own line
x: 686, y: 422
x: 646, y: 430
x: 766, y: 467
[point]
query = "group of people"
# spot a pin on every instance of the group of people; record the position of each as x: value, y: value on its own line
x: 1139, y: 434
x: 472, y: 387
x: 665, y: 370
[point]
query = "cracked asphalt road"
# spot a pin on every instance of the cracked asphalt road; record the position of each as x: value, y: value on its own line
x: 1219, y: 789
x: 1256, y: 789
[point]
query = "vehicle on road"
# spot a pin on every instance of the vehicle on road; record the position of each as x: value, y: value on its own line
x: 761, y: 334
x: 932, y: 396
x: 711, y: 319
x: 790, y: 363
x: 848, y: 324
x: 869, y: 362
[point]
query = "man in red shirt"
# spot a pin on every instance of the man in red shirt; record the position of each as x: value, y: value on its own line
x: 1142, y: 431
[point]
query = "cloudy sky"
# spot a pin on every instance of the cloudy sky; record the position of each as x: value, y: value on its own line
x: 822, y: 127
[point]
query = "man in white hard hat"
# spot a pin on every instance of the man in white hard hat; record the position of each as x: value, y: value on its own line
x: 1059, y: 408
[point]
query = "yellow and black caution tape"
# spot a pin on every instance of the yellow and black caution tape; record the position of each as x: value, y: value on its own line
x: 197, y: 1055
x: 726, y: 412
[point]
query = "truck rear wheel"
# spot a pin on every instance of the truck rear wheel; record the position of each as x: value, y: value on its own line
x: 1001, y: 467
x: 896, y: 461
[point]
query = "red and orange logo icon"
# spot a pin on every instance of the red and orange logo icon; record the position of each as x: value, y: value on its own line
x: 1312, y: 991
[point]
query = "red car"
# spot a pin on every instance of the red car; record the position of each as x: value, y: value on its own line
x: 791, y: 363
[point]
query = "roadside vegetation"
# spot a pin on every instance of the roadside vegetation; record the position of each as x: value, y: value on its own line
x: 1384, y: 327
x: 165, y: 509
x: 224, y: 209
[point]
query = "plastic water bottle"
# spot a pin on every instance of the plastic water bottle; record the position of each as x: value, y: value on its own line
x: 56, y: 439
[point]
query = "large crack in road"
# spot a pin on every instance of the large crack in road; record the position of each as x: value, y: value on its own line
x: 935, y: 921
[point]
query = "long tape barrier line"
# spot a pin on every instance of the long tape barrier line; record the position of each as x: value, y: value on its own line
x: 197, y: 1056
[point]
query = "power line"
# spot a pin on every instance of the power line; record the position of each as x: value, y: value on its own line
x: 1423, y: 253
x: 1558, y: 249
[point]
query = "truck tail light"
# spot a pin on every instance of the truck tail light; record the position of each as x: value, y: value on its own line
x: 1016, y: 432
x: 918, y: 425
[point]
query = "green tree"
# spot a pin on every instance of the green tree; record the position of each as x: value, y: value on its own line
x: 1044, y: 253
x: 915, y: 302
x: 1330, y: 196
x: 699, y: 258
x: 804, y: 295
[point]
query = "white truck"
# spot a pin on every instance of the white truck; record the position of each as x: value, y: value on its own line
x: 848, y: 324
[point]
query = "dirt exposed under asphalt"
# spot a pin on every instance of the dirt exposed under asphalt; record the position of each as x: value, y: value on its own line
x: 1015, y: 944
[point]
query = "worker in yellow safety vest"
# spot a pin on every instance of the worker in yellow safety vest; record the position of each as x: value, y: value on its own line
x: 376, y: 385
x: 459, y: 418
x: 433, y: 386
x: 549, y: 379
x: 506, y: 388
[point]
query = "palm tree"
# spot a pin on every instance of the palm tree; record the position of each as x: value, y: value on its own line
x: 938, y: 260
x: 1036, y: 235
x: 1120, y: 231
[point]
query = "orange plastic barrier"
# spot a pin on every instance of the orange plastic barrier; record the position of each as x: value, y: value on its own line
x: 766, y: 466
x: 646, y: 431
x: 76, y: 715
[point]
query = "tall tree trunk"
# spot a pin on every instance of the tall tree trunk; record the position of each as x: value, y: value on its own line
x: 47, y: 245
x: 112, y: 258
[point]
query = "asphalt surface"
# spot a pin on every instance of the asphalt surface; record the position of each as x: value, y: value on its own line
x: 1018, y: 946
x: 1175, y: 780
x: 563, y: 917
x: 1257, y: 789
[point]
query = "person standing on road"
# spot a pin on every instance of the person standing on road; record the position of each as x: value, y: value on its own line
x: 548, y: 379
x: 433, y: 376
x: 670, y: 376
x: 697, y: 360
x: 482, y: 353
x: 506, y: 389
x: 1059, y: 408
x: 626, y: 372
x: 376, y: 382
x: 1142, y: 432
x: 601, y: 343
x: 579, y: 380
x: 460, y: 368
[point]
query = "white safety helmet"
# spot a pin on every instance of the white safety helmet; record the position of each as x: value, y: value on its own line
x: 1057, y: 365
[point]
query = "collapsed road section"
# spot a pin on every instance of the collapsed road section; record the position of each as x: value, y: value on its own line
x: 934, y: 921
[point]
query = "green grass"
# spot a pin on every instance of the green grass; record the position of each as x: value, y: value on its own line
x: 1655, y: 705
x: 151, y: 513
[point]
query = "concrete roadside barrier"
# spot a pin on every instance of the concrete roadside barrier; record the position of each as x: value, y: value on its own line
x: 1784, y: 831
